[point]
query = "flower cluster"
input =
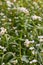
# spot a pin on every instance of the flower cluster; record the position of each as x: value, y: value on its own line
x: 22, y: 9
x: 27, y: 42
x: 21, y: 32
x: 35, y: 17
x: 2, y: 31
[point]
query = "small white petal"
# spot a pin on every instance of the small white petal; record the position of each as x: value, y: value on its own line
x: 37, y: 44
x: 33, y: 61
x: 35, y: 17
x: 40, y: 36
x: 31, y: 48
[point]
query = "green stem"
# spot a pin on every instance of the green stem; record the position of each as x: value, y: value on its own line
x: 20, y: 49
x: 20, y: 54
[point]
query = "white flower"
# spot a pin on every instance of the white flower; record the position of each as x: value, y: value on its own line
x: 24, y: 58
x: 41, y: 40
x: 31, y: 48
x: 24, y: 35
x: 9, y: 19
x: 39, y: 18
x: 35, y: 17
x: 3, y: 63
x: 9, y: 3
x: 40, y: 36
x: 14, y: 28
x: 4, y: 16
x: 14, y: 61
x: 22, y: 9
x: 3, y: 48
x: 1, y: 13
x: 37, y: 44
x: 27, y: 42
x: 14, y: 0
x: 3, y: 19
x: 16, y: 32
x: 36, y: 4
x: 33, y: 61
x: 3, y: 30
x: 33, y: 52
x: 9, y: 8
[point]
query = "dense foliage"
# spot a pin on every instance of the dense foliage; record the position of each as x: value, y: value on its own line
x: 21, y: 32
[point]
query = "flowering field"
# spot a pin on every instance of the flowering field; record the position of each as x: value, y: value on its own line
x: 21, y: 32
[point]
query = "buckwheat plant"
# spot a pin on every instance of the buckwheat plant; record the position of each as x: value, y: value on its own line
x: 21, y: 32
